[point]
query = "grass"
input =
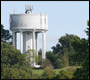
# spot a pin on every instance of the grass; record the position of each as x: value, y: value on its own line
x: 57, y: 70
x: 40, y: 71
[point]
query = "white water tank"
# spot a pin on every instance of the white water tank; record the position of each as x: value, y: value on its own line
x: 28, y: 21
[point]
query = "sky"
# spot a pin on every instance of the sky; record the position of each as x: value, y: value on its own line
x: 63, y: 17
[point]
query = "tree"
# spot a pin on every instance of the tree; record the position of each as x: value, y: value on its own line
x: 63, y: 42
x: 40, y: 57
x: 64, y: 50
x: 82, y: 54
x: 11, y: 56
x: 80, y: 46
x: 31, y: 56
x: 87, y: 30
x: 12, y: 60
x: 40, y: 52
x: 57, y: 49
x: 5, y: 35
x: 58, y: 64
x: 52, y: 57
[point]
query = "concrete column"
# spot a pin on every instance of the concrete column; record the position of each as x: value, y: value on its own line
x: 34, y: 40
x: 31, y: 40
x: 21, y: 41
x: 34, y: 43
x: 14, y: 39
x: 37, y: 44
x: 43, y: 45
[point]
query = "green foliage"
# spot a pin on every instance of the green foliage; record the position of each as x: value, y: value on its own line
x: 64, y: 50
x: 57, y: 49
x: 15, y: 73
x: 5, y: 35
x: 70, y: 50
x: 52, y: 57
x: 37, y: 71
x: 40, y: 52
x: 83, y: 73
x: 36, y: 76
x: 65, y: 57
x: 59, y: 63
x: 41, y: 71
x: 87, y: 29
x: 31, y: 56
x: 88, y: 22
x: 64, y: 42
x: 13, y: 63
x: 40, y: 57
x: 48, y: 73
x: 81, y: 46
x: 11, y: 56
x: 66, y: 74
x: 46, y: 63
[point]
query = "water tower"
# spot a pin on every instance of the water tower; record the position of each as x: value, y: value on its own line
x: 29, y: 25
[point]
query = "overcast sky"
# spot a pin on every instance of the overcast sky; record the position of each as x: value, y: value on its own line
x: 63, y: 17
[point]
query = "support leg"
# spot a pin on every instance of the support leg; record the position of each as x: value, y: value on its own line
x: 21, y: 41
x: 34, y: 44
x: 14, y: 39
x: 37, y: 44
x: 43, y: 45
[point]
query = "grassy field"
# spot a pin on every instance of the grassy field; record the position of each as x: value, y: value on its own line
x: 40, y: 71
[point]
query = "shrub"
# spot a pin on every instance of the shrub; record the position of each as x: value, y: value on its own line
x: 14, y: 73
x: 59, y: 64
x: 35, y: 76
x: 48, y: 73
x: 66, y: 74
x: 46, y: 63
